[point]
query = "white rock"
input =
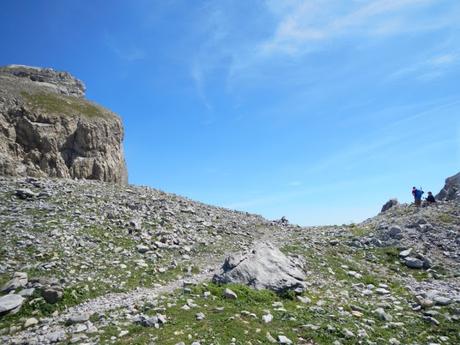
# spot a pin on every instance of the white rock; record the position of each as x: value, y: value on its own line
x: 230, y: 294
x: 267, y: 318
x: 30, y: 322
x: 284, y: 340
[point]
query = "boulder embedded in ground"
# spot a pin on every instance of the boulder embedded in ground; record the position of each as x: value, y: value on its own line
x: 395, y: 232
x: 265, y: 267
x: 52, y: 295
x: 19, y: 280
x: 10, y: 303
x: 412, y: 262
x: 77, y: 318
x: 25, y: 193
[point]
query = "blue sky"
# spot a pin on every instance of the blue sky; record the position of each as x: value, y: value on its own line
x: 316, y: 110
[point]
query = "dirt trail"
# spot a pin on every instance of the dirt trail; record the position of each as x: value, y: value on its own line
x: 55, y: 324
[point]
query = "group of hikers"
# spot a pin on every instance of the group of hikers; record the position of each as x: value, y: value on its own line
x: 418, y: 193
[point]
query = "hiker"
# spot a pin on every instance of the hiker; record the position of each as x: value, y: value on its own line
x: 417, y: 193
x: 430, y: 199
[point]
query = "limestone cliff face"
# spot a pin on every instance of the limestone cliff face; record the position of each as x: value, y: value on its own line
x: 451, y: 190
x: 48, y: 128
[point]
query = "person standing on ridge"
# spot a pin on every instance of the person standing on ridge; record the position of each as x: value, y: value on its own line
x: 417, y: 193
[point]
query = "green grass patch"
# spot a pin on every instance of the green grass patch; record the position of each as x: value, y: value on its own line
x: 241, y: 319
x: 358, y: 231
x: 64, y: 105
x: 446, y: 218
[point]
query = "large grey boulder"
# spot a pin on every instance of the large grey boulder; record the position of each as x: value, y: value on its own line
x: 48, y: 128
x: 264, y: 267
x: 451, y: 190
x: 10, y: 302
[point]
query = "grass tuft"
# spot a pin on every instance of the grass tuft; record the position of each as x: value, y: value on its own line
x: 64, y: 105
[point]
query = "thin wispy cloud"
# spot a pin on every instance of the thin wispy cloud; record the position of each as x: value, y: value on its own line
x: 429, y: 68
x: 198, y: 75
x: 305, y: 24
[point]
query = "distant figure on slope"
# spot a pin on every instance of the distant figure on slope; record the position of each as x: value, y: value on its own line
x: 284, y: 221
x: 417, y: 193
x: 430, y: 199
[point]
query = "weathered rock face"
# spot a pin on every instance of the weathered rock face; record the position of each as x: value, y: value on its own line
x: 48, y: 128
x: 451, y: 190
x: 389, y: 204
x: 265, y: 267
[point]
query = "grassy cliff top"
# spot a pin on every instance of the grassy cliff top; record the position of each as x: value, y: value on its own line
x: 64, y: 105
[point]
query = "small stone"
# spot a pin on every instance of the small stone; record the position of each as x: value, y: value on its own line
x: 356, y: 313
x: 270, y: 338
x: 123, y: 333
x: 304, y: 299
x: 405, y: 253
x: 26, y: 292
x: 395, y: 232
x: 440, y: 300
x: 81, y: 327
x: 162, y: 318
x: 284, y: 340
x: 382, y: 291
x: 426, y: 303
x: 412, y: 262
x: 230, y: 294
x: 267, y: 318
x: 142, y: 248
x: 382, y: 315
x: 348, y: 334
x: 55, y: 337
x: 431, y: 320
x: 200, y: 316
x: 19, y: 280
x: 30, y: 322
x: 77, y: 318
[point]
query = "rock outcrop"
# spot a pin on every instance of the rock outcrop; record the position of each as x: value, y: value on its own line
x: 451, y: 190
x: 389, y: 204
x: 48, y: 128
x: 265, y: 267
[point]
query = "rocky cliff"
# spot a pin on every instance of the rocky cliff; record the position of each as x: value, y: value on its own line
x: 48, y: 128
x: 451, y: 190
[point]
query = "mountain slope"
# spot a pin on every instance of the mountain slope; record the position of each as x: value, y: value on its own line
x: 126, y: 264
